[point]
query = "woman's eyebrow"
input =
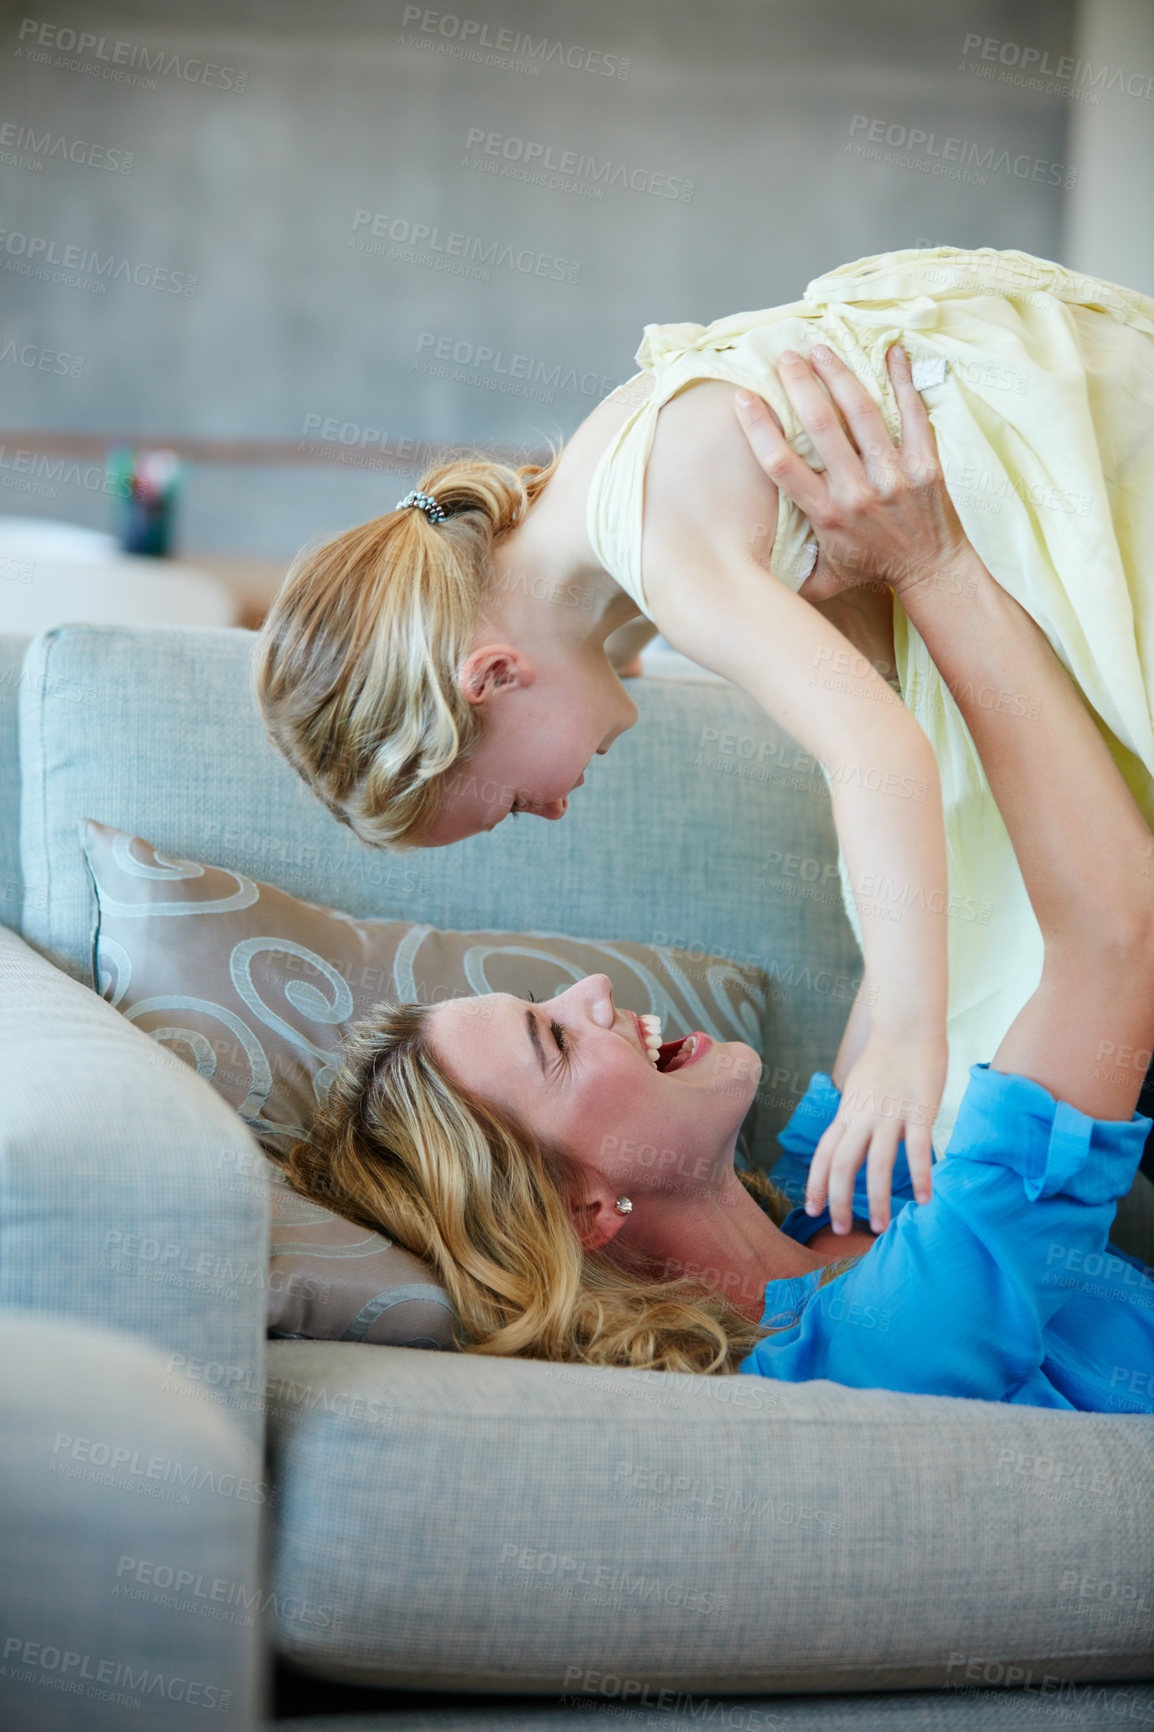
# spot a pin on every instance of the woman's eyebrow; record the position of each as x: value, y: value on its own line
x: 535, y: 1037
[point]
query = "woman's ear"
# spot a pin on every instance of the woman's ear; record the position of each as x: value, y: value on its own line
x: 493, y: 668
x: 596, y: 1221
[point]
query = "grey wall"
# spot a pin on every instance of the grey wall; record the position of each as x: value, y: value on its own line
x: 1109, y: 223
x: 253, y: 192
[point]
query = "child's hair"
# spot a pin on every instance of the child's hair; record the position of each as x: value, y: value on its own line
x: 357, y: 663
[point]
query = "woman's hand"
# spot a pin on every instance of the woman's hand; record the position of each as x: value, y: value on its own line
x: 891, y: 1095
x: 880, y: 511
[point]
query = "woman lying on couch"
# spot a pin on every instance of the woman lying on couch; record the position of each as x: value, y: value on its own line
x: 501, y: 1140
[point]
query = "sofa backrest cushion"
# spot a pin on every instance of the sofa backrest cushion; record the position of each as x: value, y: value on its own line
x: 704, y: 829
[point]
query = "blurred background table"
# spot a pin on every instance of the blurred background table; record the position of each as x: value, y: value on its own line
x: 251, y: 581
x: 53, y: 572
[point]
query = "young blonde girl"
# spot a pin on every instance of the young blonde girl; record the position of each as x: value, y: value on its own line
x: 504, y: 1146
x: 443, y: 666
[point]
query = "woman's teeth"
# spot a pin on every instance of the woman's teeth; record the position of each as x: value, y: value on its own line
x: 668, y: 1055
x: 678, y: 1053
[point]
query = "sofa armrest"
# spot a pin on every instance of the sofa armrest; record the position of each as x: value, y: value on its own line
x: 11, y: 876
x: 130, y: 1585
x: 130, y: 1196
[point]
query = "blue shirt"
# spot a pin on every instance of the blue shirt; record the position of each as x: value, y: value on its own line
x: 1003, y: 1287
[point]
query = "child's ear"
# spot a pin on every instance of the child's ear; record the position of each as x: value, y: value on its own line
x: 493, y: 668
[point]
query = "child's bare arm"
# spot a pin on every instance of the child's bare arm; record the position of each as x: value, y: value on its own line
x: 854, y: 1037
x: 712, y: 600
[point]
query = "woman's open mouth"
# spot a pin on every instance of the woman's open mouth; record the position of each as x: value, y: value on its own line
x: 679, y: 1054
x: 669, y: 1055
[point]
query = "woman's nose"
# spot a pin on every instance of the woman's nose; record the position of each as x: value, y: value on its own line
x: 598, y: 991
x: 595, y: 996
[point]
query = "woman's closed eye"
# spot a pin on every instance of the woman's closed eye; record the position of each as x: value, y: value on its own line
x: 560, y: 1039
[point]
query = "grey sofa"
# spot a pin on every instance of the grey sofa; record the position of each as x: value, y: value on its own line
x: 635, y: 1549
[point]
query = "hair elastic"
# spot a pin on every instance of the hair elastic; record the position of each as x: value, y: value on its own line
x: 422, y: 502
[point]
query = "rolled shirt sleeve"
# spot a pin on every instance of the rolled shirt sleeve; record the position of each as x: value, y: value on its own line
x: 954, y: 1299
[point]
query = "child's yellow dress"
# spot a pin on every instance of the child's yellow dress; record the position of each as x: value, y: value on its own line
x: 1040, y: 387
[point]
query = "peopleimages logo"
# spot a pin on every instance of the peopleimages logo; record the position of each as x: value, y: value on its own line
x: 77, y: 51
x: 40, y: 359
x: 955, y: 158
x: 38, y: 474
x: 1021, y: 64
x: 24, y: 147
x: 26, y: 1661
x: 462, y: 254
x: 512, y: 50
x: 552, y: 166
x: 215, y: 1596
x: 500, y: 370
x: 31, y: 255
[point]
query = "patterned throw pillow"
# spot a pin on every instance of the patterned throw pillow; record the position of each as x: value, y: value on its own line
x: 257, y: 989
x: 331, y: 1280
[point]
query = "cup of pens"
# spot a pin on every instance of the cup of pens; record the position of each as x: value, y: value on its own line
x: 145, y: 485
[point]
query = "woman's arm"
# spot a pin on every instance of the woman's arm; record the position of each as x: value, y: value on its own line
x: 624, y: 646
x: 1081, y: 843
x: 707, y: 503
x: 1080, y: 840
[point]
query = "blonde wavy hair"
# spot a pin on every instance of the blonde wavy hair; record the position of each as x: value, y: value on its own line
x: 356, y: 665
x: 403, y: 1149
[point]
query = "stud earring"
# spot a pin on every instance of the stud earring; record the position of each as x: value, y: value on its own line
x: 623, y: 1206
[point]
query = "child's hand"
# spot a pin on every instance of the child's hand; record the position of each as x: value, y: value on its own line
x: 891, y: 1095
x: 880, y: 511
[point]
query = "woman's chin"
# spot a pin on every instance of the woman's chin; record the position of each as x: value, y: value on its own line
x: 733, y: 1069
x: 726, y: 1077
x: 700, y: 1059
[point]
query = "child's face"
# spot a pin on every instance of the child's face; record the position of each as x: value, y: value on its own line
x: 537, y: 742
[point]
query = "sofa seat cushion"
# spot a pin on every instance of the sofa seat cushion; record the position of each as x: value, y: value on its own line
x: 508, y: 1525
